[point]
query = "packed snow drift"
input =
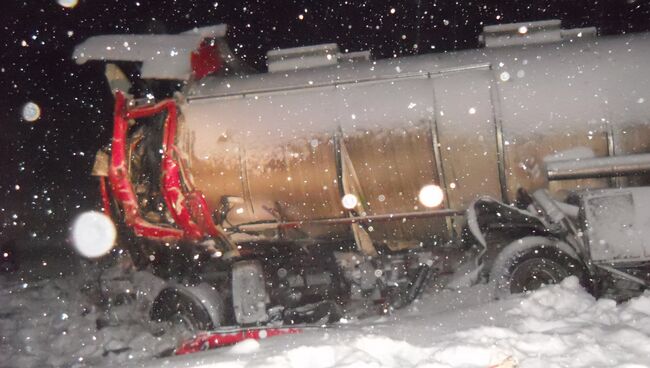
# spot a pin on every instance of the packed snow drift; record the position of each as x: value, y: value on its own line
x: 61, y: 323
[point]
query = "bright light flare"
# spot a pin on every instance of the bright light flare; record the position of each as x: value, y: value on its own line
x: 31, y: 112
x: 68, y: 3
x: 93, y: 234
x: 431, y: 195
x: 349, y: 201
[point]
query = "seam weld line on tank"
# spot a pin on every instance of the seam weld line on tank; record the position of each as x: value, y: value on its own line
x: 352, y: 81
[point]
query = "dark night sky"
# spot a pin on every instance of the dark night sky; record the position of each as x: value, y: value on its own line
x: 52, y: 157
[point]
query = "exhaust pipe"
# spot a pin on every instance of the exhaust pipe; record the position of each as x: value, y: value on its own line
x: 599, y: 167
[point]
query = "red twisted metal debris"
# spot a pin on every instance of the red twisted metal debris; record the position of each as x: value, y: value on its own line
x: 106, y: 201
x: 176, y: 199
x: 217, y: 339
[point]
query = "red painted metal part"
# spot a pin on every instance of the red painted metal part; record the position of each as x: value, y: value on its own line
x: 201, y: 213
x: 121, y: 187
x: 217, y: 339
x: 106, y: 201
x: 171, y: 178
x: 176, y: 199
x: 205, y: 60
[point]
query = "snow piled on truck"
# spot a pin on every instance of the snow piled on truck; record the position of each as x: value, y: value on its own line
x: 162, y: 56
x: 55, y: 324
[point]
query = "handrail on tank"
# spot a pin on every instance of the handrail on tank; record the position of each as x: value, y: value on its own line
x: 367, y: 219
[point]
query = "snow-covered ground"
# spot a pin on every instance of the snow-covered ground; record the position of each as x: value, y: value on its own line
x: 64, y: 321
x: 558, y: 326
x: 54, y: 323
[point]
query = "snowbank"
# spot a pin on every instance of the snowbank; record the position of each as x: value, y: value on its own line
x: 54, y: 324
x: 59, y: 322
x: 557, y: 326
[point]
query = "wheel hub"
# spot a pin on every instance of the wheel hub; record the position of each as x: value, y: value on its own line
x: 536, y: 272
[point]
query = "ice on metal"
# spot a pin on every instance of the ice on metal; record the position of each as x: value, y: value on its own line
x: 162, y: 56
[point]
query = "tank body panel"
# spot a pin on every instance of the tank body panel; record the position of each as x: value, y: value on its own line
x: 387, y: 130
x: 281, y: 152
x: 478, y: 122
x: 277, y: 170
x: 468, y: 135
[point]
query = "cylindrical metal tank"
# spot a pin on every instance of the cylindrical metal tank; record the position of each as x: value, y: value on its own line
x: 477, y: 122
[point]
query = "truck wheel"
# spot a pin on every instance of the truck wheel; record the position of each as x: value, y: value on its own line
x: 527, y: 264
x: 197, y: 308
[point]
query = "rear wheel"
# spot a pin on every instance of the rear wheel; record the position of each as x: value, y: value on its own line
x: 529, y: 263
x: 198, y: 308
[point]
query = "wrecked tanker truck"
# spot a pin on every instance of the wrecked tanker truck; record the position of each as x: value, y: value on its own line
x: 335, y: 180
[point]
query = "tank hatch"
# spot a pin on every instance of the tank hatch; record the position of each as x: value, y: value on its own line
x: 307, y: 57
x: 531, y: 33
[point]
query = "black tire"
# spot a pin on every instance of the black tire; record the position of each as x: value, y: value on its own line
x: 527, y: 264
x: 198, y: 308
